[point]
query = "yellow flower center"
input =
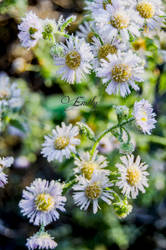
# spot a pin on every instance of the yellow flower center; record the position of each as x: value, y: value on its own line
x: 44, y: 202
x: 73, y: 60
x: 105, y: 3
x: 93, y: 191
x: 139, y: 44
x: 120, y: 21
x: 145, y: 9
x: 105, y: 50
x: 88, y: 168
x: 90, y: 37
x: 133, y: 175
x: 121, y: 73
x: 4, y: 94
x: 144, y: 117
x: 61, y: 142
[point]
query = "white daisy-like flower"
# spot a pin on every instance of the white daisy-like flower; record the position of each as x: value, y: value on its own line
x: 10, y: 94
x: 86, y: 31
x: 144, y: 116
x: 102, y: 50
x: 87, y: 165
x: 117, y: 20
x: 133, y: 176
x: 121, y: 71
x: 75, y: 61
x: 30, y: 30
x: 61, y: 144
x: 89, y: 191
x: 41, y: 200
x: 41, y: 240
x: 96, y: 5
x: 5, y: 162
x: 149, y: 13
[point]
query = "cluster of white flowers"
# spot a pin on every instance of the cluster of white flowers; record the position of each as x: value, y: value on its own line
x: 5, y: 162
x: 10, y: 95
x: 102, y: 45
x: 41, y: 202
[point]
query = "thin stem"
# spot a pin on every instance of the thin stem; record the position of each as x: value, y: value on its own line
x: 119, y: 125
x: 69, y: 185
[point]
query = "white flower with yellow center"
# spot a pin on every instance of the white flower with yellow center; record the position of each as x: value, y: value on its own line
x: 90, y: 191
x: 41, y: 240
x: 41, y: 201
x: 5, y: 162
x: 30, y: 30
x: 144, y: 116
x: 75, y: 60
x: 102, y: 50
x: 10, y: 94
x: 121, y: 71
x: 87, y: 31
x: 133, y: 176
x: 61, y: 144
x: 117, y: 20
x: 96, y: 5
x: 149, y: 13
x: 87, y: 165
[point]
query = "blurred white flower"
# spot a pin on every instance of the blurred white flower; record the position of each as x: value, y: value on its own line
x: 61, y: 144
x: 5, y: 162
x: 102, y: 50
x: 117, y: 20
x: 87, y: 165
x: 144, y: 116
x: 149, y: 13
x: 10, y: 94
x: 133, y: 176
x: 30, y: 30
x: 86, y: 31
x: 41, y: 240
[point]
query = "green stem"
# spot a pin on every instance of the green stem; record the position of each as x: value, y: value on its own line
x: 69, y: 185
x: 119, y: 125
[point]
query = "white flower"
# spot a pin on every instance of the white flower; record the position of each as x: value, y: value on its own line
x: 10, y: 95
x: 75, y: 61
x: 41, y: 201
x: 108, y: 144
x: 89, y: 191
x: 143, y: 113
x: 41, y: 240
x: 5, y: 162
x: 133, y: 176
x: 102, y: 50
x: 96, y: 5
x: 120, y: 72
x: 86, y: 31
x: 87, y: 165
x: 61, y: 143
x: 117, y: 20
x: 148, y: 13
x: 30, y: 30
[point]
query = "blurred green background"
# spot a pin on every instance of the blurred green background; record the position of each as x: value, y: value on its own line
x: 42, y: 92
